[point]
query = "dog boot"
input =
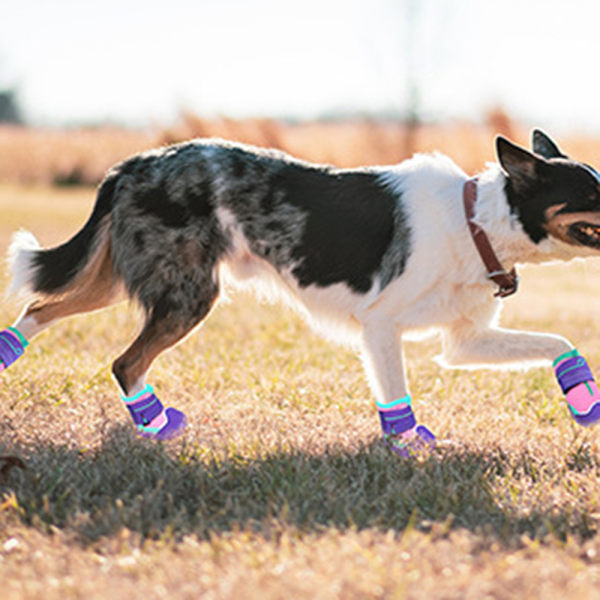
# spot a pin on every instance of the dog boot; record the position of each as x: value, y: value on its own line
x: 151, y: 419
x: 12, y: 345
x: 577, y: 383
x: 401, y: 433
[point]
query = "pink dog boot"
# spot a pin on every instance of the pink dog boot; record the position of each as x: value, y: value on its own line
x: 151, y: 419
x: 401, y: 433
x: 12, y: 346
x: 577, y: 383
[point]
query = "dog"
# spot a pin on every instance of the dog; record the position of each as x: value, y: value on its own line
x: 367, y: 255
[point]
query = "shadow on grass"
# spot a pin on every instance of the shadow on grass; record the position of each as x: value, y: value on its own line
x: 138, y: 485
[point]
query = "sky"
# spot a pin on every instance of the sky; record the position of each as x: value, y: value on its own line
x: 142, y: 62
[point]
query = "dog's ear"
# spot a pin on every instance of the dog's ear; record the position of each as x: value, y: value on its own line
x: 520, y: 164
x: 544, y: 146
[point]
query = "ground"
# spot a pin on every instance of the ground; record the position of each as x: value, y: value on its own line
x: 279, y: 487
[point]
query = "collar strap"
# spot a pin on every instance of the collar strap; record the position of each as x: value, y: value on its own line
x: 507, y: 281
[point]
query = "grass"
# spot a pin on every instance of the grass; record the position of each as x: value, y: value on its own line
x: 279, y: 489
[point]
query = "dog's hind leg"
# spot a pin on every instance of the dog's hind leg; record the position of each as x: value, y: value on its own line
x: 384, y: 363
x: 168, y: 321
x: 73, y: 277
x: 96, y: 289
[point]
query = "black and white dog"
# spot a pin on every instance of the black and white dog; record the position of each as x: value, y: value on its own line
x: 367, y: 255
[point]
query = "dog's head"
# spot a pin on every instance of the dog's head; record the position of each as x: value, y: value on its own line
x: 553, y: 196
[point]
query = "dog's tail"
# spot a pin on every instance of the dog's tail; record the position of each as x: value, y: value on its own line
x: 55, y: 271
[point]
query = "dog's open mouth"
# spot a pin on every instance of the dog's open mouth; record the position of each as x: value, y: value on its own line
x: 586, y: 234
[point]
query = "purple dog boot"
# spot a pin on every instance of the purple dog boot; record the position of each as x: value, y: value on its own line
x: 151, y: 419
x: 577, y: 383
x: 401, y: 433
x: 421, y: 443
x: 12, y: 346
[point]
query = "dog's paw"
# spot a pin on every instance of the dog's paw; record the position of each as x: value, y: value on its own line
x: 173, y: 425
x: 419, y: 442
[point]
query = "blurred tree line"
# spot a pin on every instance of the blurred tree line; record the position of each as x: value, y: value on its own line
x: 9, y: 108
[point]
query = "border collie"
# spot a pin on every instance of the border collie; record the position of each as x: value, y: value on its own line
x: 368, y: 255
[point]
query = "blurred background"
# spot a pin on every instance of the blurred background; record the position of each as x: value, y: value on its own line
x: 84, y: 84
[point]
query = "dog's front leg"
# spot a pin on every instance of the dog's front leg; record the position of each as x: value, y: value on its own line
x: 384, y: 364
x: 467, y: 346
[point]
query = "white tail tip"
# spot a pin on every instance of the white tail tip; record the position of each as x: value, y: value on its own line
x: 20, y: 254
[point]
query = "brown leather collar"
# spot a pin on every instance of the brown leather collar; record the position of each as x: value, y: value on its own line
x: 507, y: 282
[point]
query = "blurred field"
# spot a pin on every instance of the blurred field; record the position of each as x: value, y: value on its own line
x: 81, y: 156
x: 279, y: 488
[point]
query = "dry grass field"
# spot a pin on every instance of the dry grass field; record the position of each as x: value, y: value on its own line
x: 81, y: 156
x: 279, y: 488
